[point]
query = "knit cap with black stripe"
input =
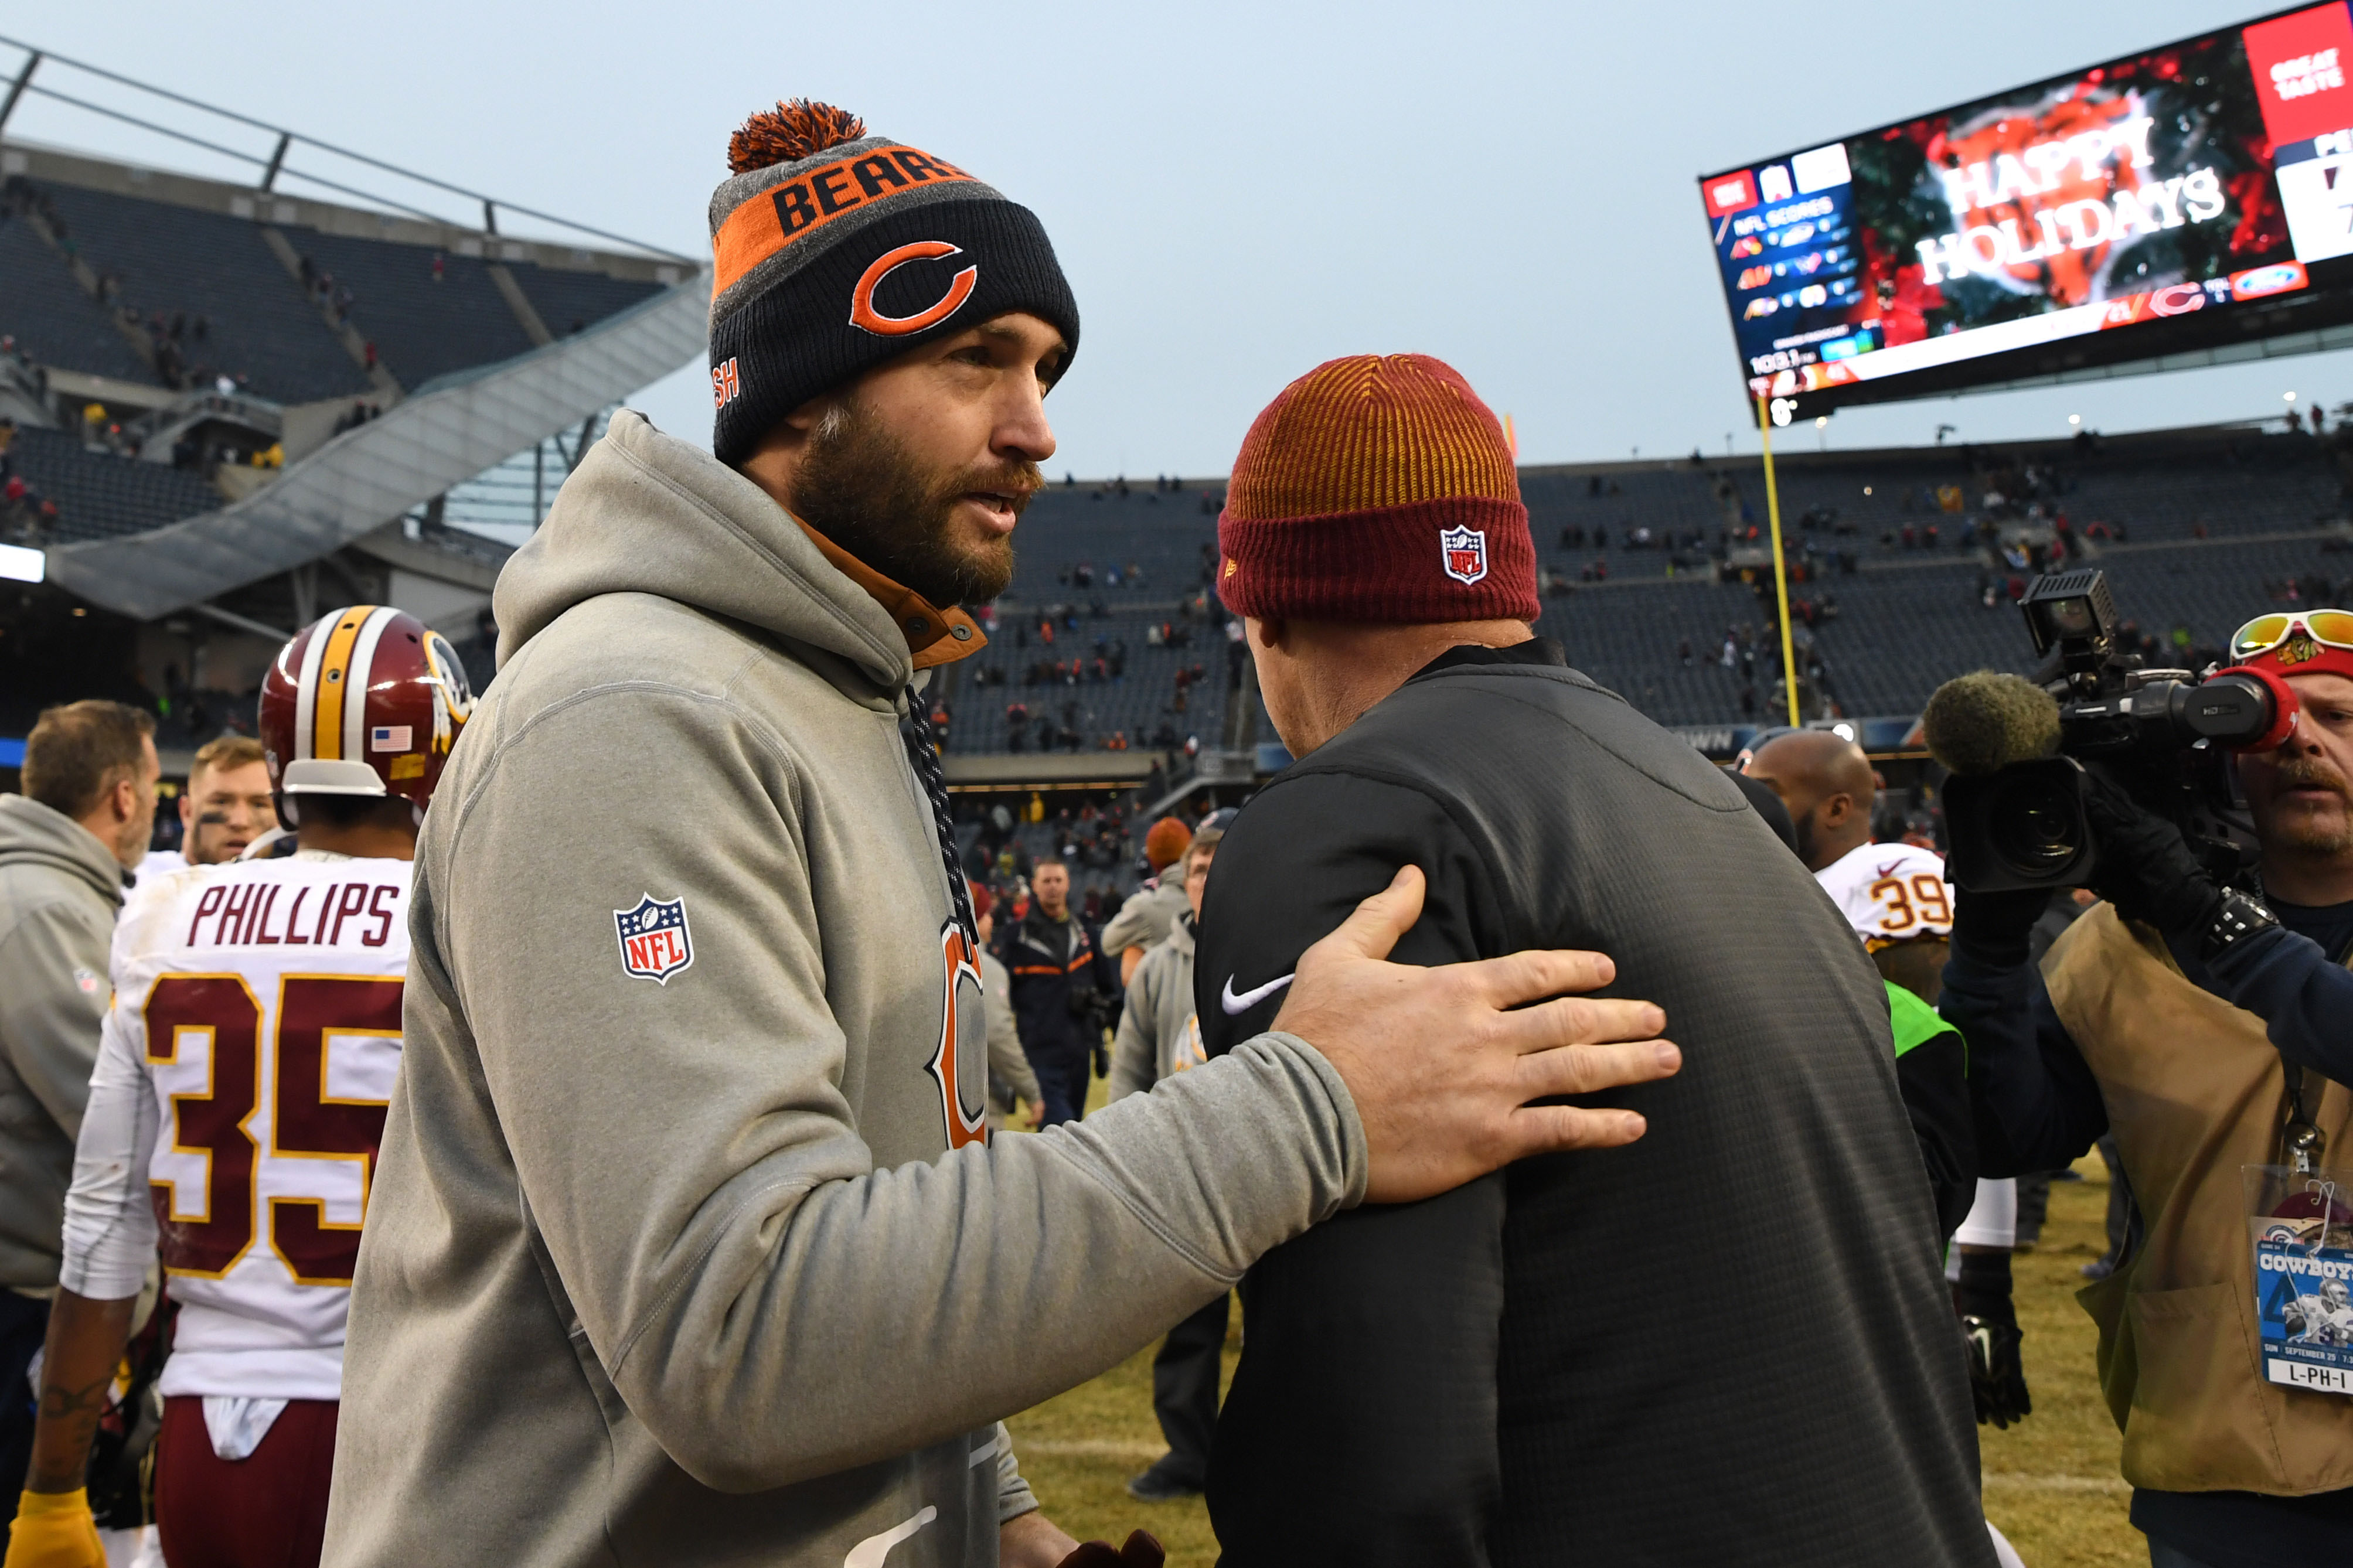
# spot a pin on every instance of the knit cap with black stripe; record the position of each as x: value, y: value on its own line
x: 835, y: 251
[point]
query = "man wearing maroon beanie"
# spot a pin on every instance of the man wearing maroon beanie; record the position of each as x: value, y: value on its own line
x: 1509, y: 1374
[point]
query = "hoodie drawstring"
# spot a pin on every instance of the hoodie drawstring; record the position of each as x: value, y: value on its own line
x: 923, y: 751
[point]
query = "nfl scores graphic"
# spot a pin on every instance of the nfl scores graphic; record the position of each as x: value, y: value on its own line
x: 2147, y: 192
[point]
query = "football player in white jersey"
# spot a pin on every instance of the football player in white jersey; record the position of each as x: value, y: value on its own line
x: 1895, y: 896
x: 242, y: 1076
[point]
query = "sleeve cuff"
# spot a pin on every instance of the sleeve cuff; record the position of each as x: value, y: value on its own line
x: 1348, y: 1128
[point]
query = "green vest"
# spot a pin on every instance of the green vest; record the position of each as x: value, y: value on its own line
x: 1916, y: 1022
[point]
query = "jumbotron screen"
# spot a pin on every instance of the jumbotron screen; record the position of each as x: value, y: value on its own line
x: 2187, y: 197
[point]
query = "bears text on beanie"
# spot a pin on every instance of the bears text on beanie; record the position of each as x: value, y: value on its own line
x: 833, y: 251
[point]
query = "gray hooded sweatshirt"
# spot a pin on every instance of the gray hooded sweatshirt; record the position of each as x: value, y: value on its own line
x: 61, y: 890
x: 1159, y: 1035
x: 685, y: 1247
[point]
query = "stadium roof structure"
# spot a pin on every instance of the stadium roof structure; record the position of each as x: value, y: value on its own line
x: 219, y: 380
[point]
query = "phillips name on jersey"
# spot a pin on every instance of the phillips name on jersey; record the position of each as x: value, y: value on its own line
x: 243, y: 1073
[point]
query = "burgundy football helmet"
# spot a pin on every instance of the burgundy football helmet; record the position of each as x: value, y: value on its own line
x: 365, y: 701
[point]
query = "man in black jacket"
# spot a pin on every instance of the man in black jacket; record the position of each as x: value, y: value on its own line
x: 1063, y: 989
x: 1510, y: 1375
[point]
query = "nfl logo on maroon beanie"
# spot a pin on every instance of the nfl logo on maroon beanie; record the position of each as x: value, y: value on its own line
x: 1376, y: 487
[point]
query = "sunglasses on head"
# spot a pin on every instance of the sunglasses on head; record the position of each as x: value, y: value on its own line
x: 2330, y: 628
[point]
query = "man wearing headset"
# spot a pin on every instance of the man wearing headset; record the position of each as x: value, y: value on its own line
x: 2211, y: 1030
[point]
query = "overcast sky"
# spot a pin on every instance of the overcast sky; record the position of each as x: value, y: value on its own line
x: 1236, y: 191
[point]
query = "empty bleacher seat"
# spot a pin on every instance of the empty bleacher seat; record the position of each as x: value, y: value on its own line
x: 99, y: 495
x: 421, y: 328
x: 566, y: 301
x: 177, y: 261
x: 50, y: 317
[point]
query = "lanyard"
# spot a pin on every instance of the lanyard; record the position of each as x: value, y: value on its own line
x: 2301, y: 1141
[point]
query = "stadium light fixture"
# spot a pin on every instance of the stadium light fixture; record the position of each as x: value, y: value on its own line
x: 18, y: 564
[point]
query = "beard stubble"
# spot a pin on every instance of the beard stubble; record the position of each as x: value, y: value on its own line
x: 860, y: 487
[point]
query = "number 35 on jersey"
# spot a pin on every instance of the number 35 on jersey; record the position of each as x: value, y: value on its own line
x: 267, y: 997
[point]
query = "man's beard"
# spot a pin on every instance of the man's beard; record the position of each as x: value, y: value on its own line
x: 2304, y: 831
x: 859, y: 486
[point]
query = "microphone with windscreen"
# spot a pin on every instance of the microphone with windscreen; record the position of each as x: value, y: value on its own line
x: 2013, y: 807
x: 1984, y: 722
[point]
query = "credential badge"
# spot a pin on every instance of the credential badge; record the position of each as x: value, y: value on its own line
x: 1464, y: 553
x: 655, y: 941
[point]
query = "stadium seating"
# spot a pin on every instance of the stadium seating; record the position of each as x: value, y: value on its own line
x: 1134, y: 703
x: 423, y: 324
x: 174, y: 261
x: 2214, y: 522
x: 566, y: 301
x: 99, y: 495
x: 1110, y: 884
x: 50, y: 317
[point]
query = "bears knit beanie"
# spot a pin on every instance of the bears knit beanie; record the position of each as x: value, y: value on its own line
x: 834, y: 250
x: 1376, y: 487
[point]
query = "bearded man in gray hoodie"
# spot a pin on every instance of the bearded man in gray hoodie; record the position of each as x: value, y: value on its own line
x: 688, y: 1243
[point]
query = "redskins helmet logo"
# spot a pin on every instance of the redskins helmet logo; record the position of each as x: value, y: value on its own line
x: 453, y: 701
x: 866, y: 318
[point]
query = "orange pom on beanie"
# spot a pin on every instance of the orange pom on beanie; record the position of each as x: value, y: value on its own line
x: 1376, y: 487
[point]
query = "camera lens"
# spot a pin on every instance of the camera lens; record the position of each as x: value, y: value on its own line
x: 2035, y: 826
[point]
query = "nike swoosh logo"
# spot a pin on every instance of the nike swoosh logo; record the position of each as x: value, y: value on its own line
x: 1234, y: 1005
x: 869, y: 1552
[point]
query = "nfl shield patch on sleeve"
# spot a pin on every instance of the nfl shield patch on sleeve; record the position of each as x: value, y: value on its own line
x: 655, y: 941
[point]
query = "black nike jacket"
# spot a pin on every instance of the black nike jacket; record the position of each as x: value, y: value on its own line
x: 1728, y: 1343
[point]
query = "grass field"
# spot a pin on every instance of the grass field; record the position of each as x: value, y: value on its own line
x: 2051, y: 1481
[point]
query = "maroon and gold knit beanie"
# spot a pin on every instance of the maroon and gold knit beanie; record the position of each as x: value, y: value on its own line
x: 1376, y: 487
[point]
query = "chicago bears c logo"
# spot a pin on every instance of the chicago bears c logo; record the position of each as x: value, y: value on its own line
x: 865, y: 316
x: 961, y: 1014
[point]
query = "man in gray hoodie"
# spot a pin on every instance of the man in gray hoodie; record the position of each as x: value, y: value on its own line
x: 1160, y: 1036
x: 688, y: 1243
x: 67, y: 846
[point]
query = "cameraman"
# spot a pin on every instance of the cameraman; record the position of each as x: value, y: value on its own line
x: 1062, y: 988
x: 2196, y: 1022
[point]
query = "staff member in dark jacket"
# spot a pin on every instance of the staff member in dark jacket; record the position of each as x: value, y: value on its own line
x: 1516, y: 1372
x: 1064, y: 991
